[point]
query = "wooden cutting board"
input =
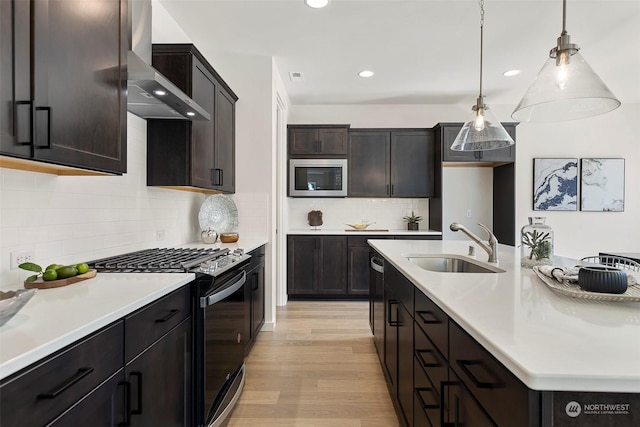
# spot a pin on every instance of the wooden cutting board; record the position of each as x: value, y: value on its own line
x: 41, y: 284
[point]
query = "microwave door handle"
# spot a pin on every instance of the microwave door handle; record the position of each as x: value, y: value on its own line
x: 219, y: 296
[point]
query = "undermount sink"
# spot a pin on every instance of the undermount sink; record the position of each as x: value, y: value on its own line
x: 450, y: 264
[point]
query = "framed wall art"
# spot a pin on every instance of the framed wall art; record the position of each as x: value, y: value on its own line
x: 555, y: 184
x: 602, y: 185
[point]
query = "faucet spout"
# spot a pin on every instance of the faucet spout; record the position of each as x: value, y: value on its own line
x: 491, y: 248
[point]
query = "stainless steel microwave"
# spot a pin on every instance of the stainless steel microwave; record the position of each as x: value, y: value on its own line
x: 318, y: 177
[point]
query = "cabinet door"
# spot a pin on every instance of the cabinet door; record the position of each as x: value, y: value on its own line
x: 405, y: 363
x: 79, y: 80
x: 303, y: 141
x: 332, y: 141
x: 462, y: 408
x: 257, y: 301
x: 369, y: 164
x: 225, y: 158
x: 160, y: 381
x: 332, y: 267
x: 376, y: 306
x: 203, y: 149
x: 103, y: 407
x: 412, y: 164
x: 15, y: 90
x: 302, y: 261
x: 391, y: 338
x: 358, y: 281
x: 507, y: 154
x: 448, y: 135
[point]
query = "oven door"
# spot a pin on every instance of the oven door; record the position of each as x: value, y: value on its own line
x: 220, y: 348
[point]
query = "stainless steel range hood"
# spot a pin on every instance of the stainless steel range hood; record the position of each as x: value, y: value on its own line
x: 150, y: 94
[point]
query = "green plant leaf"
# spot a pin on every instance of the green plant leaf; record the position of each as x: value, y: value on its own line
x: 29, y: 266
x: 32, y: 278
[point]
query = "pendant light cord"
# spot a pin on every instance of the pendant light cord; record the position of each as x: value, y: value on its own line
x: 564, y: 17
x: 481, y: 2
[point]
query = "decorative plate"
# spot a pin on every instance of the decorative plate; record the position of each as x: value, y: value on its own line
x: 219, y: 213
x: 574, y: 290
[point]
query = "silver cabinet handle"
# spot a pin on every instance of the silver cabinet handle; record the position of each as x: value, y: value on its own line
x: 379, y: 267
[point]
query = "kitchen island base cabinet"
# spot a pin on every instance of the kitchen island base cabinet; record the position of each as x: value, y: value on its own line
x: 254, y: 298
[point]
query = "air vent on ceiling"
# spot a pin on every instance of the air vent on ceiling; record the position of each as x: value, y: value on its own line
x: 296, y: 77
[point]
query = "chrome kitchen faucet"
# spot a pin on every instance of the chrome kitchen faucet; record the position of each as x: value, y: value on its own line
x: 491, y: 248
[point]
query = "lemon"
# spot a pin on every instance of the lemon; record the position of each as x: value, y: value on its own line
x: 66, y: 272
x: 49, y: 275
x: 82, y: 268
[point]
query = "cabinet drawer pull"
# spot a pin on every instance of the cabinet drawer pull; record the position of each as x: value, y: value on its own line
x: 168, y: 316
x: 48, y: 144
x: 320, y: 146
x: 428, y: 317
x: 387, y: 192
x: 432, y: 353
x: 423, y: 403
x: 443, y: 385
x: 389, y: 311
x: 17, y: 122
x: 82, y: 372
x: 220, y: 176
x: 127, y: 402
x: 465, y: 364
x: 139, y: 394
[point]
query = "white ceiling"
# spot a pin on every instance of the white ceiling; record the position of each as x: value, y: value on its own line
x: 422, y: 51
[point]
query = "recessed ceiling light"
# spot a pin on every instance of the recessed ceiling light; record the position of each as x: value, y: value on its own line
x: 366, y: 73
x: 511, y: 73
x: 316, y: 4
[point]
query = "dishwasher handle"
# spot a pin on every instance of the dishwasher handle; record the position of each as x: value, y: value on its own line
x: 238, y: 280
x: 377, y: 266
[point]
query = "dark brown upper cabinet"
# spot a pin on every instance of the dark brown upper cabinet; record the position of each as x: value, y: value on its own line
x: 391, y: 163
x: 318, y: 140
x: 448, y: 132
x: 63, y: 84
x: 193, y: 155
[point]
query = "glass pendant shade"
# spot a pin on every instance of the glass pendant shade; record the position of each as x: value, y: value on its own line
x: 483, y: 132
x: 566, y: 88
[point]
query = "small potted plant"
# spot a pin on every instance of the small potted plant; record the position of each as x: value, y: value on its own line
x: 412, y: 221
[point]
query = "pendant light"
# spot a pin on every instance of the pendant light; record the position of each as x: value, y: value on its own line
x: 483, y: 131
x: 566, y: 87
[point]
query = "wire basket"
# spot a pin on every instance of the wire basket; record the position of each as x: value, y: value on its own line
x: 613, y: 261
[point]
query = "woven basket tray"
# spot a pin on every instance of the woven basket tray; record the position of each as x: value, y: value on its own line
x: 573, y: 290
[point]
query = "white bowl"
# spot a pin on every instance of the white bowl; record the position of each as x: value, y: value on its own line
x: 10, y: 306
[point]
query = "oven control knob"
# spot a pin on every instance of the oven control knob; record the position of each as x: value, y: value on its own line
x: 228, y: 376
x: 238, y: 252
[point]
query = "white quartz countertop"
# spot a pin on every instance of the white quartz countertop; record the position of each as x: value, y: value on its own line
x: 549, y: 341
x: 338, y: 231
x: 55, y: 318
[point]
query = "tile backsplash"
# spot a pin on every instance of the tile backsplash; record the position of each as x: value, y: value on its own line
x: 386, y: 213
x: 70, y: 219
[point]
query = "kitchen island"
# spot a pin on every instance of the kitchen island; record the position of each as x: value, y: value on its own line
x: 555, y: 346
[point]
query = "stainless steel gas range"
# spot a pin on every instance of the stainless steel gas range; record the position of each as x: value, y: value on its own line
x: 218, y: 319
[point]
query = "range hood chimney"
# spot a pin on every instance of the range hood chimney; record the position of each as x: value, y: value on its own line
x: 150, y: 94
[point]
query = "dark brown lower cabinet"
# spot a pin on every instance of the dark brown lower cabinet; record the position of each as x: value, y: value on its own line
x: 316, y: 266
x: 459, y: 406
x: 97, y: 382
x: 254, y: 298
x: 405, y: 363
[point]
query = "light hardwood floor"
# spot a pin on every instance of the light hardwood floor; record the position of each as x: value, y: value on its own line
x: 318, y: 369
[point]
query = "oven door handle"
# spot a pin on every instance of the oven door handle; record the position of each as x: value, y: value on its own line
x: 219, y: 296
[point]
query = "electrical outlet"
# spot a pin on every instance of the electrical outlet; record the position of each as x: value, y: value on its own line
x: 160, y: 235
x: 468, y: 213
x: 18, y: 258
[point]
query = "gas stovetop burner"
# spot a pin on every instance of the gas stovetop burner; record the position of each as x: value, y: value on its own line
x: 166, y: 260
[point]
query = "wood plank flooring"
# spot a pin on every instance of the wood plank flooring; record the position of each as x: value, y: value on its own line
x: 319, y: 368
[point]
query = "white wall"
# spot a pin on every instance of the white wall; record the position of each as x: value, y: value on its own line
x: 577, y: 234
x: 466, y: 189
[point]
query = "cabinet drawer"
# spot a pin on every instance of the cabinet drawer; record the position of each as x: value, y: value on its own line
x: 42, y: 392
x: 148, y: 324
x: 433, y: 321
x: 430, y: 360
x: 362, y: 240
x: 426, y: 398
x: 497, y: 389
